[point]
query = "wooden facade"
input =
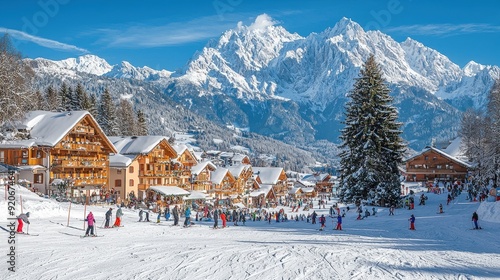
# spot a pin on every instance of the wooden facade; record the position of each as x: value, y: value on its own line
x: 79, y: 157
x: 433, y: 164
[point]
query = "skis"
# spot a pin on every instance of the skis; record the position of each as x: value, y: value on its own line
x: 84, y: 236
x: 24, y: 233
x: 476, y: 228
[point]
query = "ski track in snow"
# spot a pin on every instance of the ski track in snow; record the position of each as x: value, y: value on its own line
x: 379, y: 247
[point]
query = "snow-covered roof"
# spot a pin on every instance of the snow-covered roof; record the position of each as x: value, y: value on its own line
x: 466, y: 164
x: 308, y: 190
x: 48, y: 128
x: 119, y: 160
x: 194, y: 195
x: 198, y: 168
x: 294, y: 190
x: 455, y: 148
x: 237, y: 169
x: 134, y: 145
x: 315, y: 177
x: 307, y: 183
x: 218, y: 175
x: 268, y: 175
x: 264, y: 189
x: 31, y: 167
x: 169, y: 190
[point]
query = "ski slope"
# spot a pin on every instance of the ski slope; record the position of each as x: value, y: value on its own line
x: 442, y: 247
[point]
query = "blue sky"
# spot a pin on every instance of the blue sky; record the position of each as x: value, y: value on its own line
x: 165, y: 34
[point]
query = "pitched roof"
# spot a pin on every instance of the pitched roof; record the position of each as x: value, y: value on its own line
x: 268, y: 175
x: 218, y: 175
x: 134, y: 145
x: 169, y: 190
x: 237, y: 169
x: 466, y: 164
x: 196, y: 169
x: 119, y: 160
x: 48, y: 128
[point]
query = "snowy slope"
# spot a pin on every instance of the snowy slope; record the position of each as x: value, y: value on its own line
x: 379, y: 247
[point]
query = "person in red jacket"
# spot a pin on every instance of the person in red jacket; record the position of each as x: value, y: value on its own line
x: 322, y: 221
x: 223, y: 218
x: 20, y: 219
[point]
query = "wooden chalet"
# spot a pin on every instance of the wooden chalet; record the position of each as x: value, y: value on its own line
x: 64, y: 147
x: 433, y: 164
x: 274, y: 176
x: 243, y: 176
x: 201, y: 177
x: 144, y: 161
x: 223, y: 184
x: 322, y: 182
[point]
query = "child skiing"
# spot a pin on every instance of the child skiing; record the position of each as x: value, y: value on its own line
x: 441, y: 209
x: 322, y: 221
x: 223, y: 218
x: 475, y: 218
x: 108, y: 217
x: 339, y: 223
x: 119, y: 214
x: 20, y: 219
x: 412, y: 222
x: 90, y: 222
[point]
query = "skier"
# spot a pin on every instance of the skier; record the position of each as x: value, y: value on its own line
x: 223, y: 218
x: 108, y: 217
x: 187, y: 213
x: 140, y: 215
x: 339, y: 223
x: 441, y: 208
x: 314, y: 215
x: 412, y: 222
x: 322, y: 221
x: 147, y: 215
x: 159, y: 216
x: 216, y: 218
x: 374, y: 211
x: 20, y: 219
x: 391, y: 210
x: 167, y: 213
x: 90, y: 221
x: 175, y: 213
x: 475, y: 218
x: 367, y: 213
x: 448, y: 199
x: 119, y: 214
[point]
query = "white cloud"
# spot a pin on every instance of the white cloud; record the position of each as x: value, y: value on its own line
x: 51, y: 44
x: 262, y: 22
x: 444, y: 29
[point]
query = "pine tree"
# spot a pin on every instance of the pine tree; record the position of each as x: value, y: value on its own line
x: 63, y: 98
x: 142, y: 126
x: 52, y: 99
x: 372, y: 147
x: 125, y: 118
x: 107, y: 114
x: 93, y: 108
x: 493, y: 152
x: 82, y: 98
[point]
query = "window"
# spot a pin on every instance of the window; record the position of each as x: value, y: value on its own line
x: 131, y: 182
x: 426, y: 158
x: 130, y: 169
x: 118, y: 171
x: 118, y: 183
x: 439, y: 166
x: 38, y: 178
x: 434, y: 158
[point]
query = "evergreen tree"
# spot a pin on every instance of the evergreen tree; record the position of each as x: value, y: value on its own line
x: 372, y: 147
x: 107, y: 114
x: 63, y: 98
x: 493, y: 152
x: 82, y: 98
x: 52, y: 99
x: 74, y: 102
x: 125, y: 118
x: 142, y: 126
x: 93, y: 108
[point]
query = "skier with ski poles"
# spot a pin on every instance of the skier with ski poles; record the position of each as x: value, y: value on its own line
x: 90, y: 221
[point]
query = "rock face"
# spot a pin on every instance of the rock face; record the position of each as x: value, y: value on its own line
x: 263, y: 78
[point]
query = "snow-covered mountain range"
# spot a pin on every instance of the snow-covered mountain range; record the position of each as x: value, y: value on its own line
x: 293, y: 88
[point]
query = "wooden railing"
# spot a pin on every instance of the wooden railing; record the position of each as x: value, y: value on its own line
x: 79, y: 163
x: 91, y: 181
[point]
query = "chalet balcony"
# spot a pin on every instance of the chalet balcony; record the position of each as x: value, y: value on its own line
x: 80, y: 182
x: 433, y: 171
x: 81, y: 147
x: 79, y: 164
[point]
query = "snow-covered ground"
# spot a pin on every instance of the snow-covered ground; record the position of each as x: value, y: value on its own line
x: 379, y: 247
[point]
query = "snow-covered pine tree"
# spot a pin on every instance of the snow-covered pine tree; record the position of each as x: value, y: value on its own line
x: 125, y: 118
x: 63, y: 98
x: 107, y: 117
x: 494, y: 133
x: 74, y: 103
x: 372, y: 147
x: 142, y: 126
x: 39, y: 103
x: 52, y: 99
x: 93, y: 108
x: 16, y: 76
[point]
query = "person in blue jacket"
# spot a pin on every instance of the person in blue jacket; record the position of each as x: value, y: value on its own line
x: 412, y: 222
x: 339, y: 222
x: 187, y: 213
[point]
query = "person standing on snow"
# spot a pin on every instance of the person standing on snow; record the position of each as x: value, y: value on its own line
x: 223, y: 218
x: 119, y: 214
x: 90, y: 222
x: 140, y: 215
x: 339, y: 223
x: 216, y: 218
x: 109, y: 213
x: 175, y: 213
x: 412, y: 222
x: 322, y: 221
x: 20, y: 219
x: 475, y: 218
x: 187, y: 213
x: 391, y: 210
x: 314, y: 215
